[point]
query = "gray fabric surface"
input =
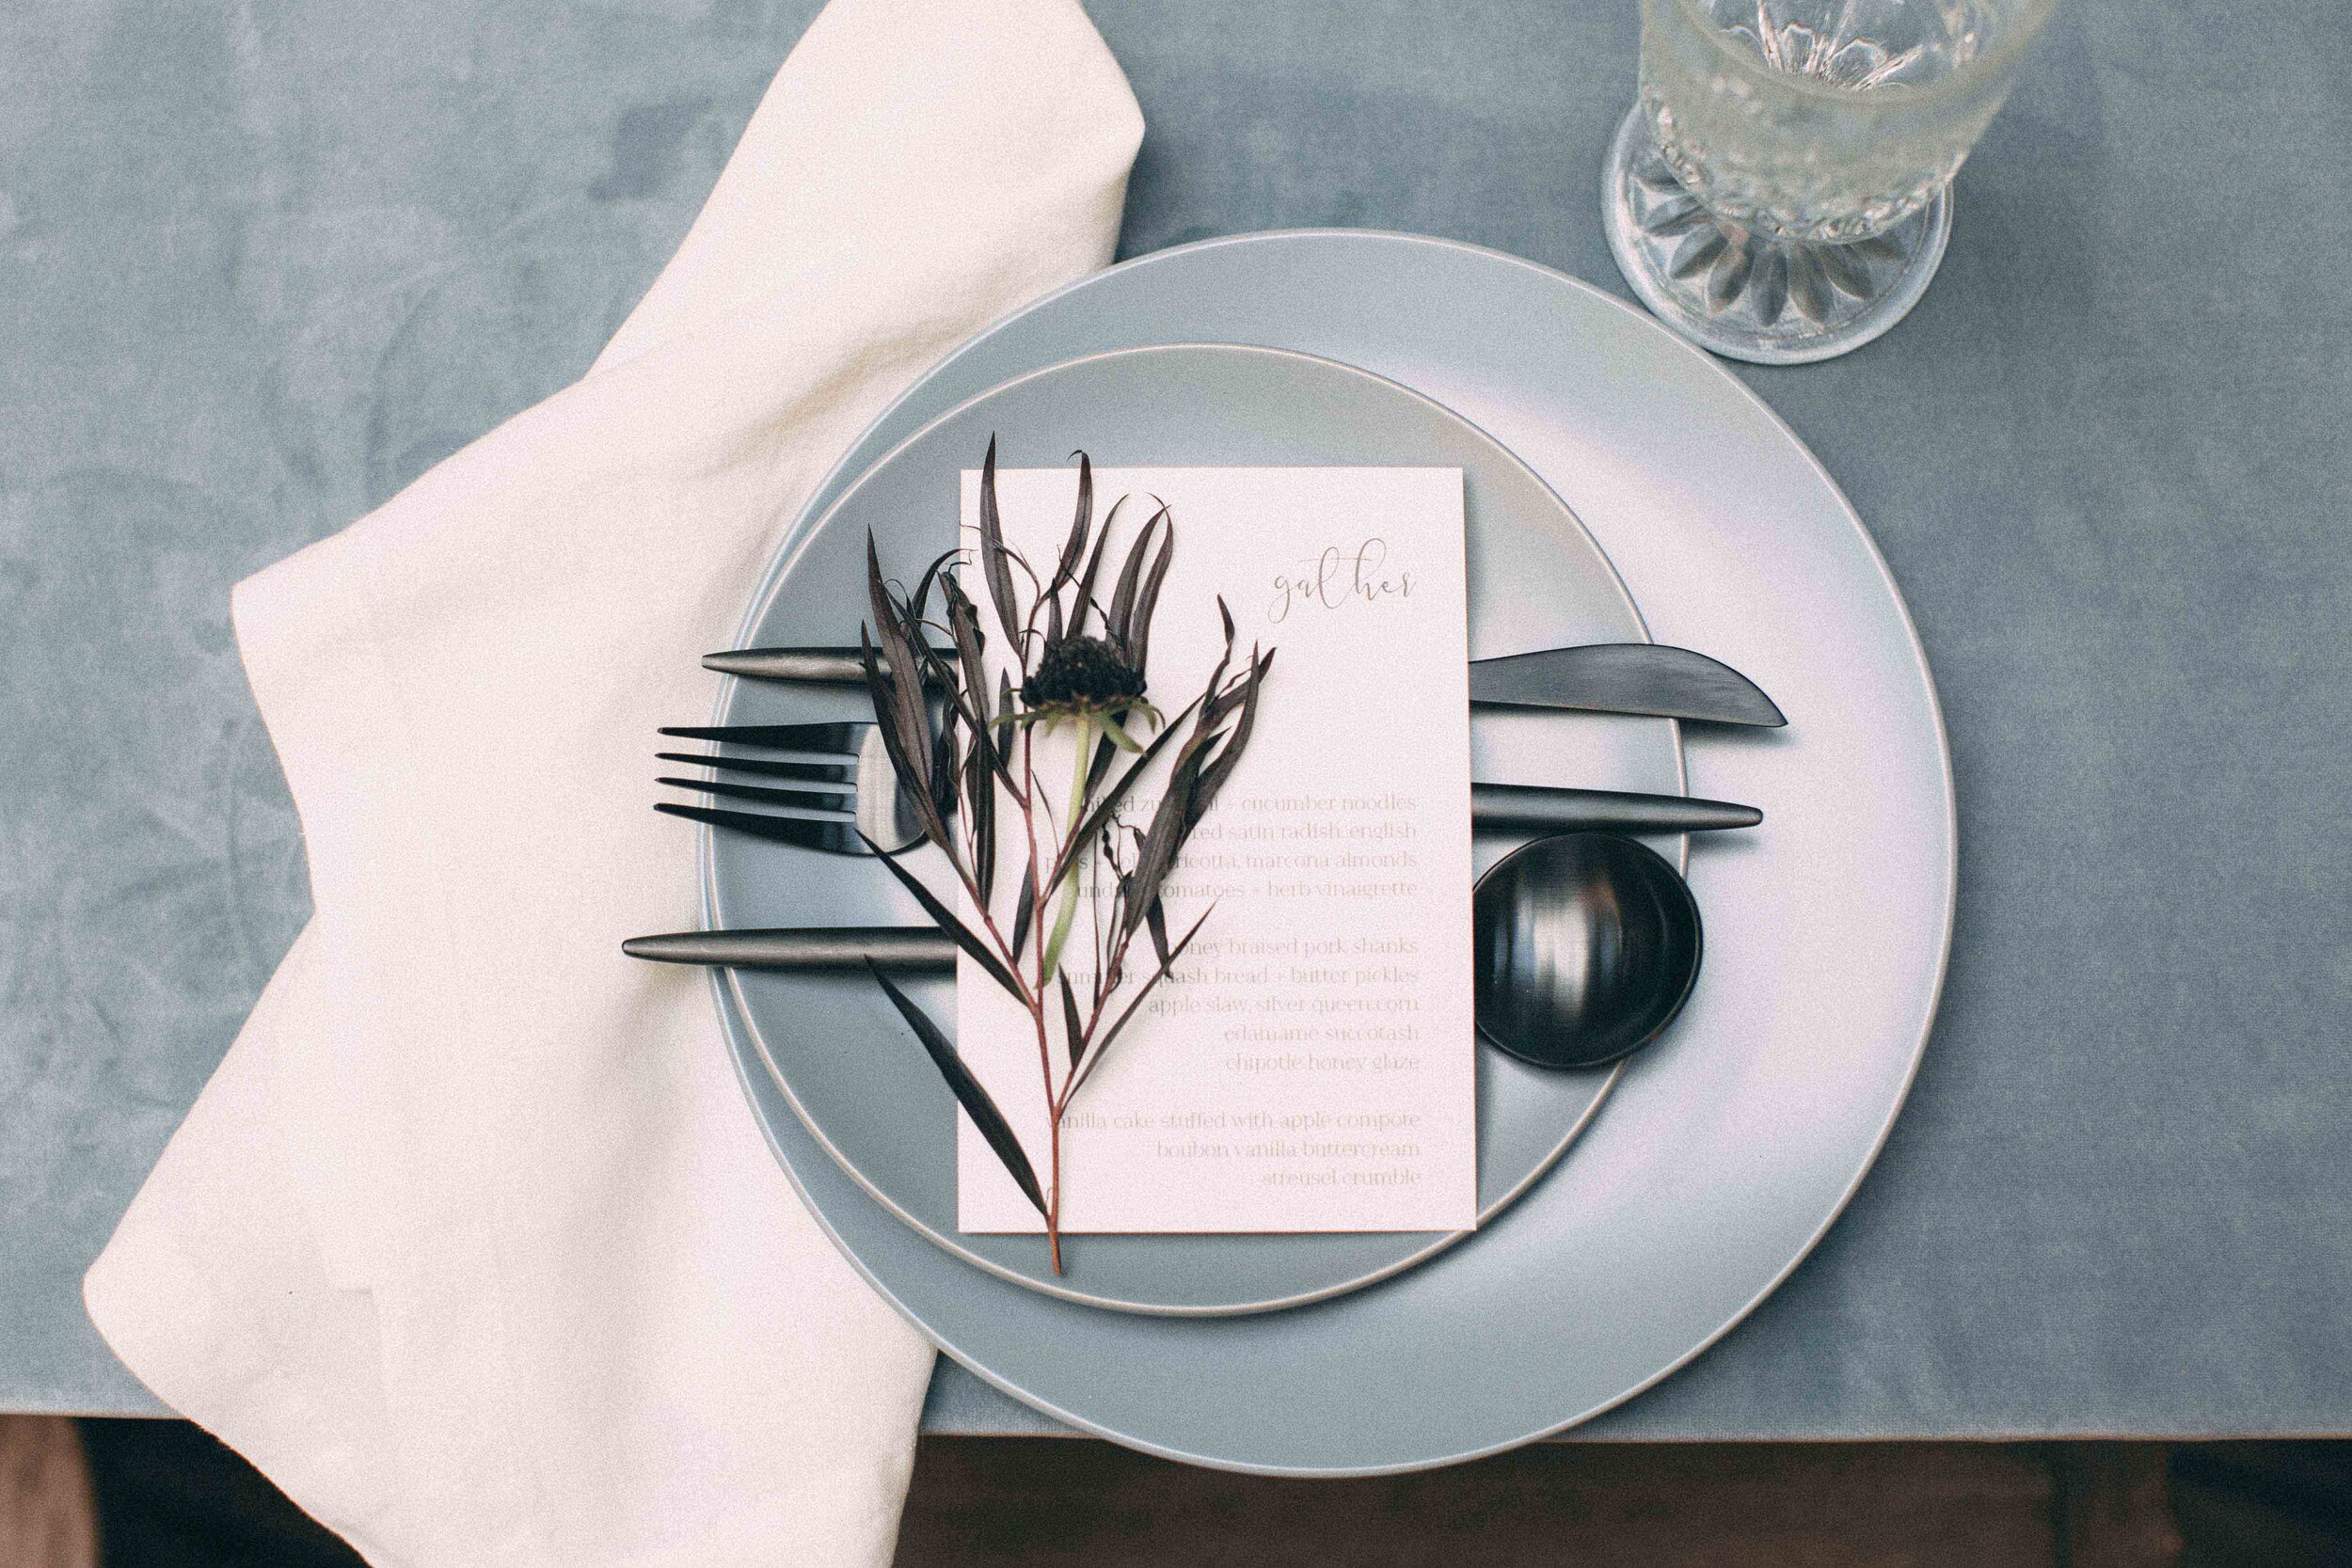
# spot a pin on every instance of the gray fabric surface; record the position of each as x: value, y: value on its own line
x: 259, y: 265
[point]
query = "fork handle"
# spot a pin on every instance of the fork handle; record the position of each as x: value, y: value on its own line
x: 906, y: 950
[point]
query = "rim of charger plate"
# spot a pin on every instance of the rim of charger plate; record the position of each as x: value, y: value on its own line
x: 1950, y: 838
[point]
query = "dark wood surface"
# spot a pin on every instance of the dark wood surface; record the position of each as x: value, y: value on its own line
x: 46, y: 1520
x: 1042, y: 1503
x: 166, y: 1495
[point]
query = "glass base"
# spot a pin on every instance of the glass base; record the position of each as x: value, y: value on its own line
x: 1743, y: 294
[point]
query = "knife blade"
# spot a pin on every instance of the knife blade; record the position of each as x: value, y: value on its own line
x: 1650, y: 678
x: 1624, y: 677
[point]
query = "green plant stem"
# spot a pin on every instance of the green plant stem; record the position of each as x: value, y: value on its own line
x: 1037, y: 1011
x: 1072, y: 858
x: 1076, y: 810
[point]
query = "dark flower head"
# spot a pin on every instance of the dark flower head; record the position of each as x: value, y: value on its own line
x: 1082, y: 674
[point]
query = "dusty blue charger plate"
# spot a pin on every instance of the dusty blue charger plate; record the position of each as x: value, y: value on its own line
x: 853, y: 1073
x: 1727, y: 1148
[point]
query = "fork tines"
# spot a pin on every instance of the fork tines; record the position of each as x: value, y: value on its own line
x: 827, y: 770
x: 843, y: 772
x: 834, y: 836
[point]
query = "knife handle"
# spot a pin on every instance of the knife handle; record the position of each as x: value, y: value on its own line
x: 901, y: 949
x: 1520, y: 808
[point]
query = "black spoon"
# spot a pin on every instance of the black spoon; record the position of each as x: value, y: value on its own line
x: 1586, y: 946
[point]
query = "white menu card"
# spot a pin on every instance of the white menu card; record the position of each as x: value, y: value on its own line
x: 1310, y: 1063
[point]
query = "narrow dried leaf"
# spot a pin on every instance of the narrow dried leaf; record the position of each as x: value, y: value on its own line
x: 964, y: 629
x: 1147, y: 598
x: 1130, y: 578
x: 1173, y: 821
x: 899, y: 705
x: 1073, y: 1032
x: 920, y: 599
x: 969, y: 679
x: 945, y: 766
x: 1073, y: 548
x: 1155, y: 920
x: 1024, y: 906
x: 967, y: 1090
x: 1094, y: 567
x: 979, y: 787
x: 1107, y: 924
x: 885, y: 700
x: 992, y: 554
x: 912, y: 753
x: 884, y: 614
x: 1006, y: 715
x: 1103, y: 752
x: 957, y: 931
x: 1100, y: 1046
x: 1158, y: 854
x: 1212, y: 776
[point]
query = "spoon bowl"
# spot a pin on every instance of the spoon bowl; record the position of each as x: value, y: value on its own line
x: 1586, y: 946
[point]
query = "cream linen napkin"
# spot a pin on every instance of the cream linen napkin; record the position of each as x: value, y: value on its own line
x: 471, y: 1243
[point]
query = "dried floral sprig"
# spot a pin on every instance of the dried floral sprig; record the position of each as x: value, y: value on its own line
x: 962, y: 745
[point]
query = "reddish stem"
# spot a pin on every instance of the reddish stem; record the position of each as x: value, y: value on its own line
x: 1053, y: 1204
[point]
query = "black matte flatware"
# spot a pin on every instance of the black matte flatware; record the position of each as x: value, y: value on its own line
x: 813, y: 666
x: 831, y: 835
x: 849, y: 775
x: 1500, y: 808
x: 1624, y: 677
x: 1586, y: 946
x: 902, y: 949
x: 844, y: 769
x: 1600, y: 677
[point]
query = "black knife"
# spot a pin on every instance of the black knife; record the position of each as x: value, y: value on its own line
x: 1599, y: 677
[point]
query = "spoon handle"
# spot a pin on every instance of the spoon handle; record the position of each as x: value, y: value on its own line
x: 817, y: 666
x: 1520, y: 808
